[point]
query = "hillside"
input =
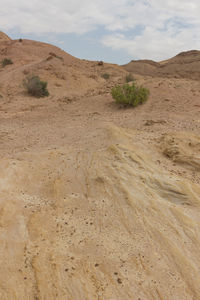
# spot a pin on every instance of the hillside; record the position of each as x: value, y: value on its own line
x: 66, y: 75
x: 184, y: 65
x: 97, y: 202
x: 4, y: 37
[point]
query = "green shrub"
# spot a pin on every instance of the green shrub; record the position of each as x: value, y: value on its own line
x: 35, y: 86
x: 105, y: 76
x: 132, y: 95
x: 6, y: 61
x: 129, y: 78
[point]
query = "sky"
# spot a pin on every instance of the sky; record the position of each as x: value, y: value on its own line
x: 114, y: 31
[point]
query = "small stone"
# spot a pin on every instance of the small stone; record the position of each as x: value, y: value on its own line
x: 119, y: 280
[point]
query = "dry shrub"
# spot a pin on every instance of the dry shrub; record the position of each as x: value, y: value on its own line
x: 6, y: 61
x: 35, y: 86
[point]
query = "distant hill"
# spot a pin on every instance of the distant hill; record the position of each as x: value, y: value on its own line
x: 184, y: 65
x: 4, y: 37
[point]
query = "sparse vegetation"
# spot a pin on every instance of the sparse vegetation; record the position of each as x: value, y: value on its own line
x: 35, y: 86
x: 105, y: 76
x: 52, y: 54
x: 59, y: 57
x: 20, y: 40
x: 6, y: 61
x: 130, y: 95
x: 129, y: 78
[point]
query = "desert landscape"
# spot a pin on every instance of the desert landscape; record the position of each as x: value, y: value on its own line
x: 98, y: 201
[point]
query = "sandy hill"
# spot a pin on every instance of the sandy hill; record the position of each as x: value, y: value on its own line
x: 4, y: 37
x: 66, y: 75
x: 184, y: 65
x: 96, y: 202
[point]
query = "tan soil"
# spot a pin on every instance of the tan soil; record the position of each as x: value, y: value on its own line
x: 96, y: 201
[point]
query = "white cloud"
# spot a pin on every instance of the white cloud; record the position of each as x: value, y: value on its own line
x: 153, y: 44
x: 59, y: 16
x: 169, y: 26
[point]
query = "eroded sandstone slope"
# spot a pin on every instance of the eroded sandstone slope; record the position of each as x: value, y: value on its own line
x: 103, y: 224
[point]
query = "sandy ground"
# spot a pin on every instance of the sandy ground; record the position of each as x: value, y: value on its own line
x: 96, y: 201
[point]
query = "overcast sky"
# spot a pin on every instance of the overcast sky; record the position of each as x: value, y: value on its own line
x: 110, y: 30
